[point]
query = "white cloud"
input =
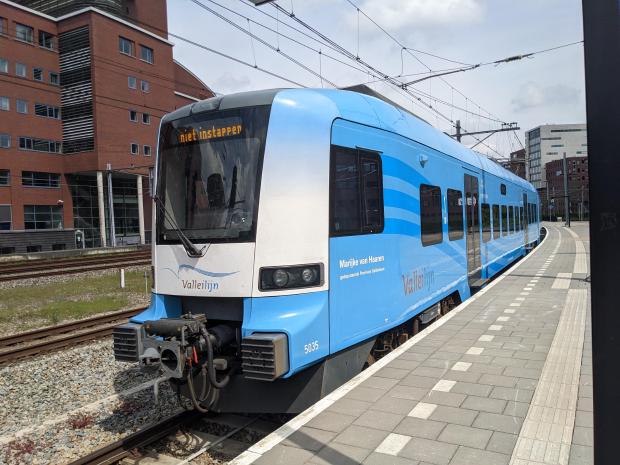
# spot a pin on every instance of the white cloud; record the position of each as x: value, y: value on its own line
x: 227, y: 83
x: 398, y: 14
x: 533, y: 95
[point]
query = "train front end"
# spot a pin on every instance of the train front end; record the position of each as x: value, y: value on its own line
x: 239, y: 305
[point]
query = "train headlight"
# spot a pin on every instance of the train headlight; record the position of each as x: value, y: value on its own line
x: 290, y: 277
x: 280, y: 278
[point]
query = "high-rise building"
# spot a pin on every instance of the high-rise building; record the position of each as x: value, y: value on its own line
x: 83, y: 85
x: 549, y: 142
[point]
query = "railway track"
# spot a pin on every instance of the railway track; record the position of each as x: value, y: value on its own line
x: 57, y: 337
x: 24, y: 269
x: 185, y: 437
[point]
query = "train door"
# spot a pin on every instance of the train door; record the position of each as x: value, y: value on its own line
x: 472, y: 230
x: 526, y: 219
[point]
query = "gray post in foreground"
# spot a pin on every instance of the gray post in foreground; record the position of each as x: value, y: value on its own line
x: 566, y: 198
x: 100, y: 204
x: 111, y: 207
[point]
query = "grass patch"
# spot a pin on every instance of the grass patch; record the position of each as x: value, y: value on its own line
x: 51, y: 303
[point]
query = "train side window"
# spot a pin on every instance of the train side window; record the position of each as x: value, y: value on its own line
x: 511, y: 219
x: 455, y: 215
x: 521, y: 219
x: 356, y: 192
x: 486, y: 222
x: 430, y: 215
x: 505, y: 224
x: 496, y: 224
x: 502, y: 189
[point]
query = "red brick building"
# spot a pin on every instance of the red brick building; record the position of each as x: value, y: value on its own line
x: 516, y: 164
x: 578, y: 184
x: 82, y: 89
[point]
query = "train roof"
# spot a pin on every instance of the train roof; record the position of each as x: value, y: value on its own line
x: 363, y: 107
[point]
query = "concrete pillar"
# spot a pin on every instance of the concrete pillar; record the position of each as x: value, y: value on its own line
x: 100, y: 202
x: 140, y: 209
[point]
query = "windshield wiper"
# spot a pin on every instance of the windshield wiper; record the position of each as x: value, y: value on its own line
x: 188, y: 245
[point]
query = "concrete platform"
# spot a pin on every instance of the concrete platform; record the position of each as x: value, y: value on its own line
x: 505, y: 378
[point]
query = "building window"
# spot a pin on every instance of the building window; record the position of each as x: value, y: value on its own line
x: 496, y: 225
x: 54, y: 78
x: 22, y: 106
x: 5, y: 104
x: 125, y: 46
x: 455, y: 215
x: 5, y: 218
x: 133, y: 115
x: 33, y: 248
x: 145, y: 86
x: 39, y: 145
x: 47, y: 111
x: 356, y: 192
x: 132, y: 82
x: 5, y: 141
x: 146, y: 54
x: 3, y: 26
x: 46, y: 40
x: 147, y: 150
x: 430, y: 215
x: 37, y: 74
x: 146, y: 118
x: 21, y: 70
x: 5, y: 178
x: 23, y: 32
x: 42, y: 217
x: 39, y: 179
x: 505, y: 225
x: 135, y: 148
x: 59, y: 246
x: 4, y: 65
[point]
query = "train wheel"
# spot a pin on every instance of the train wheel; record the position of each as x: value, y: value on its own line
x: 416, y: 326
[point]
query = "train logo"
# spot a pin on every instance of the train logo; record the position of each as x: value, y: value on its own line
x: 417, y: 280
x: 199, y: 284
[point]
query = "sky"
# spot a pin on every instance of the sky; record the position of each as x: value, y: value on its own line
x: 547, y: 88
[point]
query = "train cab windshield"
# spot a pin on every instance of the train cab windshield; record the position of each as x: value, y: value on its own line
x: 209, y: 175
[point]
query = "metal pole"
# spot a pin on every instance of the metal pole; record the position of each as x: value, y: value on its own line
x: 100, y: 204
x: 111, y: 207
x: 566, y: 198
x: 458, y: 130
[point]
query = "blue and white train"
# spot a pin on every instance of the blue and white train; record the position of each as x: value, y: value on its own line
x: 301, y: 234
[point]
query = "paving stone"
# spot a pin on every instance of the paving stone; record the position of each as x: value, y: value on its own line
x: 519, y: 395
x: 504, y: 443
x: 411, y: 354
x: 331, y: 421
x: 282, y: 455
x: 340, y: 454
x: 584, y: 404
x: 465, y: 436
x: 454, y: 415
x: 361, y: 436
x: 379, y: 420
x: 473, y: 358
x: 516, y: 409
x: 584, y: 419
x: 469, y: 456
x: 497, y: 422
x: 581, y: 455
x: 392, y: 404
x: 425, y: 450
x: 509, y: 362
x: 392, y: 372
x: 419, y: 381
x: 384, y: 459
x: 408, y: 392
x: 429, y: 372
x: 583, y: 436
x: 498, y: 380
x: 365, y: 394
x: 531, y: 373
x: 468, y: 377
x: 481, y: 390
x: 437, y: 363
x: 351, y: 407
x: 310, y: 439
x: 417, y: 427
x: 445, y: 398
x: 404, y: 364
x: 379, y: 382
x: 525, y: 383
x: 484, y: 404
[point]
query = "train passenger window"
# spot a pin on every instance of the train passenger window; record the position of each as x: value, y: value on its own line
x: 505, y: 224
x: 521, y: 218
x: 356, y: 192
x: 502, y: 189
x: 455, y: 215
x: 430, y: 215
x: 486, y: 222
x: 511, y: 216
x: 496, y: 223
